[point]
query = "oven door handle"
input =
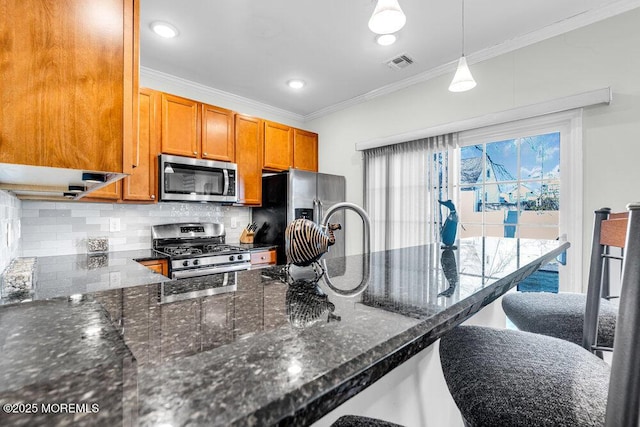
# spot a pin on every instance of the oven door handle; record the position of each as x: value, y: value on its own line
x: 194, y: 272
x: 225, y: 190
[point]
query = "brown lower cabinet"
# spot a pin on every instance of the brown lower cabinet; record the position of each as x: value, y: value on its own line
x: 158, y: 265
x: 263, y: 258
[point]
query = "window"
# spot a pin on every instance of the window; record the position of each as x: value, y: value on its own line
x: 523, y: 180
x: 519, y: 195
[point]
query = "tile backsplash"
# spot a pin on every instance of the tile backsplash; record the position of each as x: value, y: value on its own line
x: 59, y: 228
x: 10, y: 208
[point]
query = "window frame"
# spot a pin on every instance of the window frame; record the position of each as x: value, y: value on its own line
x: 570, y: 224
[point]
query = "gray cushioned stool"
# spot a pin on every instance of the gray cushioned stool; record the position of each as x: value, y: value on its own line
x: 559, y: 315
x: 495, y: 381
x: 357, y: 421
x: 584, y: 319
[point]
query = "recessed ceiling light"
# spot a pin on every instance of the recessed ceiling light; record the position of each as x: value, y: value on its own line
x: 386, y: 39
x: 164, y: 29
x: 296, y: 84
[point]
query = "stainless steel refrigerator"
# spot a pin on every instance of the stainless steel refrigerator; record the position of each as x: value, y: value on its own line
x: 298, y: 194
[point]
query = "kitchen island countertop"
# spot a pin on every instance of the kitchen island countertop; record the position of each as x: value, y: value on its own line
x: 257, y: 347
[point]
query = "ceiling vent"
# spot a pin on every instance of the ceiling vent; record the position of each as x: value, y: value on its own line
x: 400, y: 62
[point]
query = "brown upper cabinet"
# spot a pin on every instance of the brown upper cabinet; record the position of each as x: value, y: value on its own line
x: 110, y: 193
x: 278, y: 146
x: 180, y: 126
x: 287, y: 147
x: 249, y: 143
x: 218, y: 141
x: 305, y: 150
x: 142, y: 184
x: 194, y: 129
x: 69, y: 83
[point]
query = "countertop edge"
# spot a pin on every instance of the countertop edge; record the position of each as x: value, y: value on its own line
x: 413, y: 340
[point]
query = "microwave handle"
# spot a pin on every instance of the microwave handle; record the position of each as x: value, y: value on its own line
x: 225, y: 190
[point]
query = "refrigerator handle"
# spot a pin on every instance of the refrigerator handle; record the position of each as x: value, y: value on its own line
x: 315, y: 210
x: 320, y: 211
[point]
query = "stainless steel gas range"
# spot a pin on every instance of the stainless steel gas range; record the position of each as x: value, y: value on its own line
x: 198, y: 249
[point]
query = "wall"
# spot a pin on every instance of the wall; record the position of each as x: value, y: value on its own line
x: 10, y: 208
x: 603, y: 54
x: 50, y: 228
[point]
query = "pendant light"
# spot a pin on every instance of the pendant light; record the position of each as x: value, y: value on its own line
x: 387, y: 17
x: 462, y: 80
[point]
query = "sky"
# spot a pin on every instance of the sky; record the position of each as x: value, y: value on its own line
x: 539, y: 157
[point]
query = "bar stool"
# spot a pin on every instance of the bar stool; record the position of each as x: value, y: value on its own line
x: 515, y: 378
x: 585, y: 319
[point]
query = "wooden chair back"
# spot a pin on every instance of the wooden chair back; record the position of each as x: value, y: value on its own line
x: 609, y: 230
x: 613, y: 230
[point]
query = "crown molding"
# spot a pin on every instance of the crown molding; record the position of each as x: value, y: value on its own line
x: 553, y: 30
x: 179, y: 81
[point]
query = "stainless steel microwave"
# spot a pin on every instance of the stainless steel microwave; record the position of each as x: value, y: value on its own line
x: 197, y: 180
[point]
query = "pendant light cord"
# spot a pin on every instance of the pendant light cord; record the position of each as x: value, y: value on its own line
x: 462, y: 27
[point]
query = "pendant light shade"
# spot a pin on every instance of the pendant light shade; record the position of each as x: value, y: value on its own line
x: 462, y: 80
x: 387, y: 17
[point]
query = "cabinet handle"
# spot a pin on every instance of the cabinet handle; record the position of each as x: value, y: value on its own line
x: 195, y: 152
x: 263, y: 257
x: 153, y: 196
x: 204, y: 154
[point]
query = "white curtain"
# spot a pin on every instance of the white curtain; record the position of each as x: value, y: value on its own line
x: 403, y: 183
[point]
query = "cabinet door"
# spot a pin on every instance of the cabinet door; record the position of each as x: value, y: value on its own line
x: 69, y: 83
x: 305, y: 150
x: 180, y: 135
x: 278, y: 146
x: 249, y: 159
x: 142, y: 185
x: 263, y: 258
x: 160, y: 266
x: 110, y: 192
x: 217, y: 133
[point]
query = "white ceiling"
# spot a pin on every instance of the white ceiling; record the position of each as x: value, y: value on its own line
x: 251, y: 48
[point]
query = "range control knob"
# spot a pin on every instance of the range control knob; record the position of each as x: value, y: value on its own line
x: 231, y: 258
x: 185, y: 263
x: 239, y: 257
x: 196, y: 262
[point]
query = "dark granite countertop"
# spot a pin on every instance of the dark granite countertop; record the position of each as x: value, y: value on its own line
x: 249, y: 348
x: 66, y: 275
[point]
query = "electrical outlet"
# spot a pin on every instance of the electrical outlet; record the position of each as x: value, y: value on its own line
x: 114, y: 224
x: 234, y: 222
